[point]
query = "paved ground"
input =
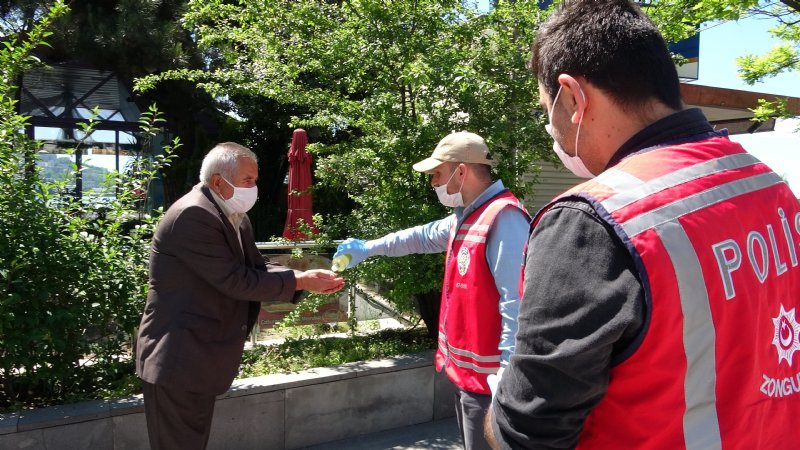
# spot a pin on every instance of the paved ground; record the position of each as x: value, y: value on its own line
x: 439, y: 435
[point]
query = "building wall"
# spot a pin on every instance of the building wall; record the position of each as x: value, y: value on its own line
x: 553, y: 180
x: 279, y: 411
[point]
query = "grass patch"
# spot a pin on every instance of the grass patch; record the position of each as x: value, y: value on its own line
x: 296, y: 354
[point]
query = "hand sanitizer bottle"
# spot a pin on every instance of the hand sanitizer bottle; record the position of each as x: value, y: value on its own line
x: 341, y: 262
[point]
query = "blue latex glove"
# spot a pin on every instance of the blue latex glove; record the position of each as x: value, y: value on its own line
x: 356, y: 248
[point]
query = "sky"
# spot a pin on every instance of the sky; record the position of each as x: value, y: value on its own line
x: 719, y: 47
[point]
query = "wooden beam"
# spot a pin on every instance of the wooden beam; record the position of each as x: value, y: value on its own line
x: 697, y: 95
x: 744, y: 126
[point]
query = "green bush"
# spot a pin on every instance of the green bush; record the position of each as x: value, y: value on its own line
x: 73, y: 276
x: 377, y: 88
x: 306, y: 352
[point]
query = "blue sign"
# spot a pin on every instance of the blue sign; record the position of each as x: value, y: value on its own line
x: 688, y: 48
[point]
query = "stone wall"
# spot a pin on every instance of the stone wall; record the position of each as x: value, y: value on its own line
x: 282, y: 411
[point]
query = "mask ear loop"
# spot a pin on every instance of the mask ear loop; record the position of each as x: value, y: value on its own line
x: 580, y: 122
x: 553, y: 106
x: 463, y: 179
x: 451, y: 177
x: 226, y: 181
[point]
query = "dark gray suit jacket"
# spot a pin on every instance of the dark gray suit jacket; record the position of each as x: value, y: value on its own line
x: 203, y: 297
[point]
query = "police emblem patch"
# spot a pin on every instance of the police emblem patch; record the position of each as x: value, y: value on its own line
x: 463, y: 261
x: 787, y: 335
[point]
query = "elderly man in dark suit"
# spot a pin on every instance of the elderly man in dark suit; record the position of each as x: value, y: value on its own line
x: 207, y: 279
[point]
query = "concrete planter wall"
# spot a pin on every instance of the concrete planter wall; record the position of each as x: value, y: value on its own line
x: 283, y: 411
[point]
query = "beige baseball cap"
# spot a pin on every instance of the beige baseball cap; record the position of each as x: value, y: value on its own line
x: 462, y: 147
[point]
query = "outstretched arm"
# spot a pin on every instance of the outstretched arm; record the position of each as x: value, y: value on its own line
x: 318, y: 281
x: 429, y: 238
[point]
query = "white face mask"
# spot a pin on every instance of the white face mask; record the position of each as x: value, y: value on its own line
x: 573, y: 163
x: 242, y: 199
x: 449, y: 200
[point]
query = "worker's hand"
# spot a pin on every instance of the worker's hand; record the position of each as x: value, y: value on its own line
x: 356, y: 248
x: 319, y: 281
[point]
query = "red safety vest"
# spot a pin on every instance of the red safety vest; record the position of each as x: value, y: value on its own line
x: 469, y: 315
x: 715, y: 235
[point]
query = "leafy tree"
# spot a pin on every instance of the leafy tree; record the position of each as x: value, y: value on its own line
x: 133, y: 38
x: 679, y: 19
x: 73, y: 277
x: 785, y: 57
x: 380, y: 83
x: 782, y: 58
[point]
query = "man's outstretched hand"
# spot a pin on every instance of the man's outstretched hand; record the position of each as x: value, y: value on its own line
x: 319, y: 281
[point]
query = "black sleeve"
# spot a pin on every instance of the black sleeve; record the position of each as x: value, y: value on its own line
x: 583, y: 304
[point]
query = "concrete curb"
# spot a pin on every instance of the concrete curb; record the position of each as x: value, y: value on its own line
x: 280, y: 411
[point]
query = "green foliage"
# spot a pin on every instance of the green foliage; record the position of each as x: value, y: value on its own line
x: 382, y: 83
x: 73, y: 274
x: 680, y: 19
x: 310, y: 303
x: 767, y: 110
x: 782, y: 58
x: 134, y: 38
x: 130, y: 37
x: 303, y: 353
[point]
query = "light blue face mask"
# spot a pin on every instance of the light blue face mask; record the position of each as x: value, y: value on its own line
x: 573, y: 163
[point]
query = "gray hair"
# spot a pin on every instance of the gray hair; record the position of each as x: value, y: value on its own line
x: 224, y: 160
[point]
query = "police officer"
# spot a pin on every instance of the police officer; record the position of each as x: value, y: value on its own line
x: 660, y: 296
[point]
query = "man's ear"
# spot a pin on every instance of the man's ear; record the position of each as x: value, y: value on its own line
x: 463, y: 169
x: 216, y: 179
x: 575, y: 96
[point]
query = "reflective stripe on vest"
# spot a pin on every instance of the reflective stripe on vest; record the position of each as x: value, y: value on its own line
x: 701, y: 425
x: 469, y: 356
x: 660, y: 214
x: 461, y: 357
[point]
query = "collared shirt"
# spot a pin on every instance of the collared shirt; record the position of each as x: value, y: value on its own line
x: 503, y: 254
x: 234, y: 218
x: 674, y: 128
